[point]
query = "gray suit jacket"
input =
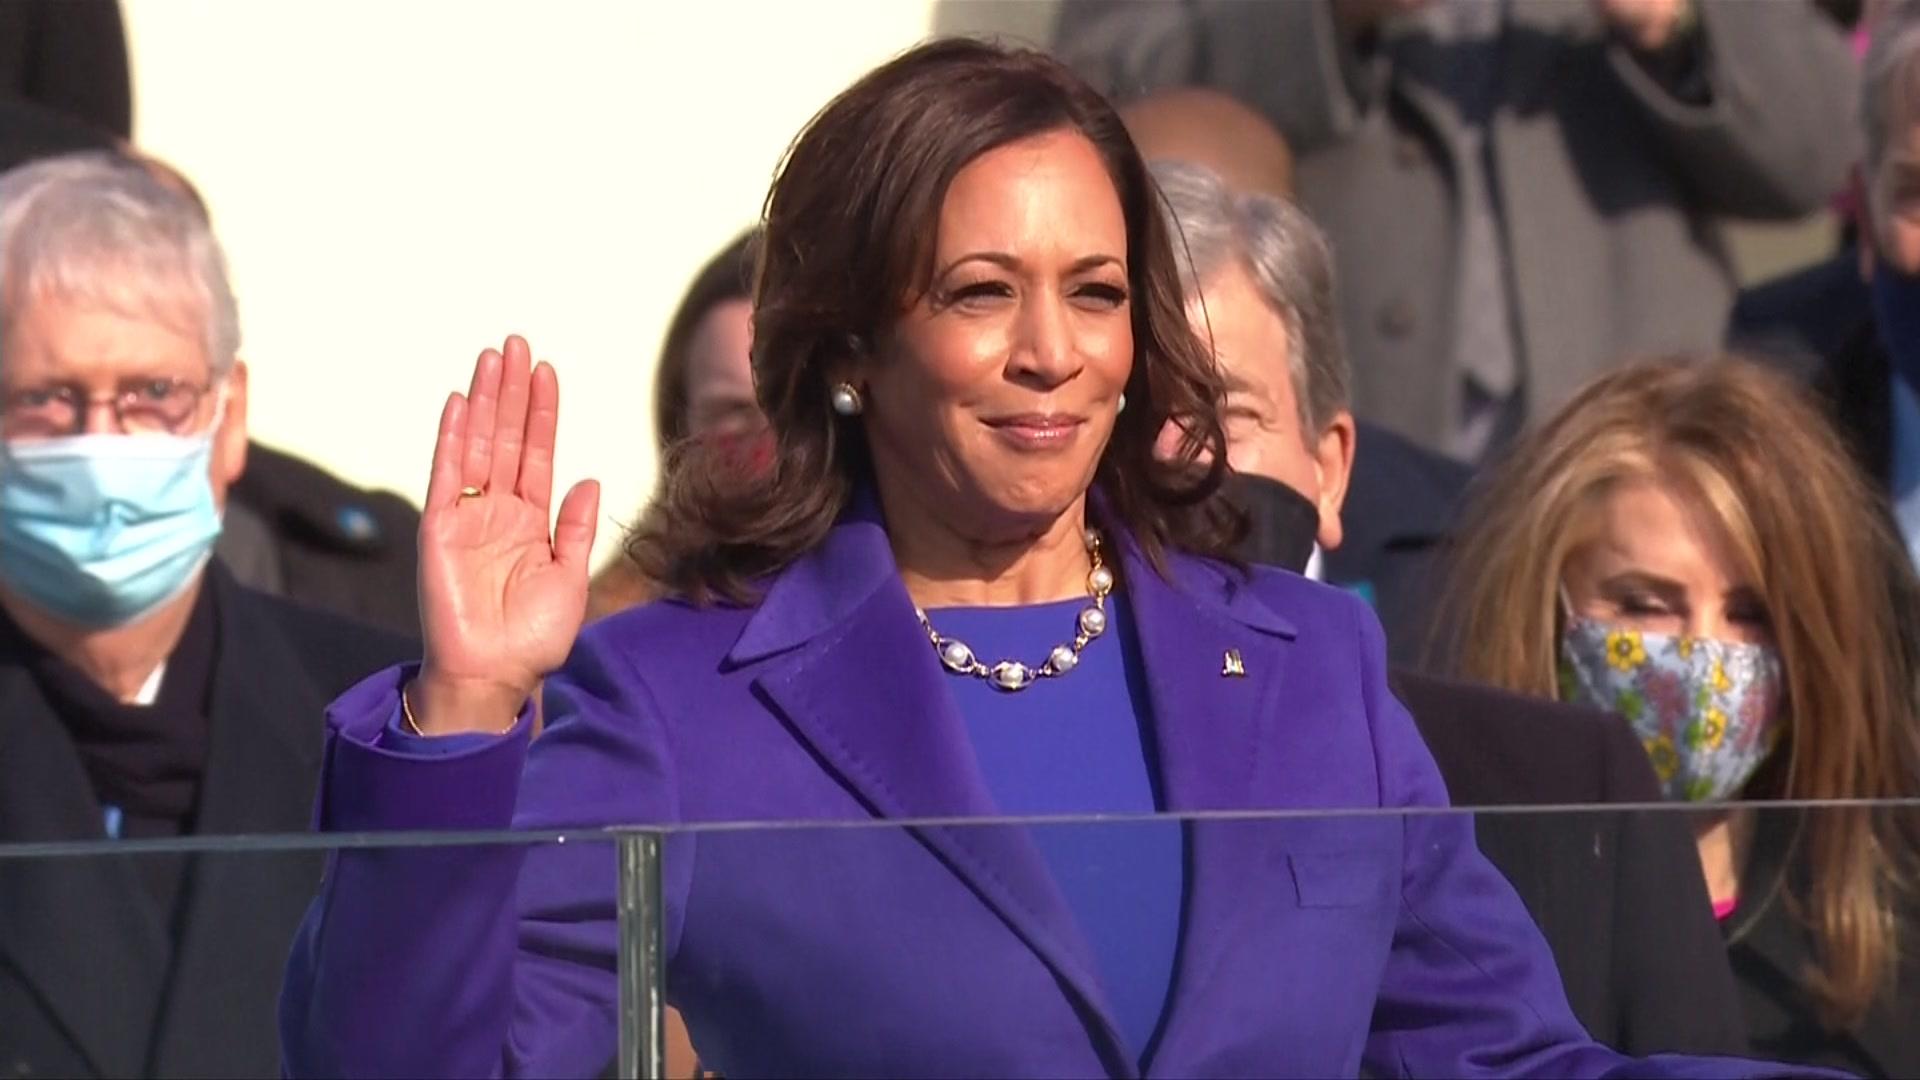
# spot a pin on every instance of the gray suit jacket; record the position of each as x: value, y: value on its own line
x: 1610, y: 183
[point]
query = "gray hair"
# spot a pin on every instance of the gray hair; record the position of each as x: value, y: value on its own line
x: 107, y: 229
x: 1889, y: 73
x: 1285, y: 254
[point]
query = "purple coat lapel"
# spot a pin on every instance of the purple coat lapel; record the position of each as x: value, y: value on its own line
x: 846, y: 669
x: 1210, y: 729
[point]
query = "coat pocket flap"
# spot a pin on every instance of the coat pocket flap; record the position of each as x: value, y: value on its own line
x: 1338, y: 879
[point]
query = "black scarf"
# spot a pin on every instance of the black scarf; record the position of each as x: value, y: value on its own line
x: 1284, y: 522
x: 145, y: 762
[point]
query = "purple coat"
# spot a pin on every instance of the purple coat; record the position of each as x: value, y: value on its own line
x: 1308, y: 947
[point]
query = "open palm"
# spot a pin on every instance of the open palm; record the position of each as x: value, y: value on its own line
x: 501, y: 596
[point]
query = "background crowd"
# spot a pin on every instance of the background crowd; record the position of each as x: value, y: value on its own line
x: 1634, y: 532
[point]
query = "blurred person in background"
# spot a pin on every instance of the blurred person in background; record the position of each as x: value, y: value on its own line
x: 29, y: 132
x: 1518, y: 193
x: 1803, y: 320
x: 68, y: 57
x: 1221, y: 132
x: 1873, y: 378
x: 146, y: 693
x: 1397, y: 501
x: 702, y: 388
x: 1688, y: 545
x: 1614, y: 893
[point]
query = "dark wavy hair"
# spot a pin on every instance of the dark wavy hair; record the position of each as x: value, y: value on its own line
x: 847, y: 247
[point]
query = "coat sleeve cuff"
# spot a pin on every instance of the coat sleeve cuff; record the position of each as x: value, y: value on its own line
x: 371, y: 781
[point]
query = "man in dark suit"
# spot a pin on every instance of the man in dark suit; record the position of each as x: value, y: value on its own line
x: 1402, y: 498
x: 146, y: 693
x: 1618, y: 895
x: 1798, y: 320
x: 1801, y: 325
x: 165, y: 965
x: 1395, y: 512
x: 1851, y: 325
x: 1400, y: 506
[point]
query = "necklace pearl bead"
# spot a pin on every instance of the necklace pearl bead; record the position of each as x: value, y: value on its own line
x: 956, y: 655
x: 1010, y: 675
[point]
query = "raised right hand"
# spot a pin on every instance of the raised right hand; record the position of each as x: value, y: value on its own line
x: 501, y: 597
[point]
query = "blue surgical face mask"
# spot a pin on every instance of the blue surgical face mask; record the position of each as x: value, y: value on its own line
x: 1707, y: 711
x: 100, y: 530
x: 1896, y: 312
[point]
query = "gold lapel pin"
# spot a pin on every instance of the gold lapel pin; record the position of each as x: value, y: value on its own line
x: 1231, y: 667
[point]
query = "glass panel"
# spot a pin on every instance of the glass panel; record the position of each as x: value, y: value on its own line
x: 1512, y: 941
x: 1303, y: 942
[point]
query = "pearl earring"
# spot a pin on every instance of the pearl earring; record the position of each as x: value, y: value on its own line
x: 846, y: 400
x: 1122, y: 406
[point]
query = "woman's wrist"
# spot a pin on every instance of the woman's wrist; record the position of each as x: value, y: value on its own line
x: 435, y: 706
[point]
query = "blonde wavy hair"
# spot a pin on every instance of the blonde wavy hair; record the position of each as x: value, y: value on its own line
x: 1747, y: 447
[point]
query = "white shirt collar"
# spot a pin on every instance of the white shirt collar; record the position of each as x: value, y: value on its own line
x: 150, y: 690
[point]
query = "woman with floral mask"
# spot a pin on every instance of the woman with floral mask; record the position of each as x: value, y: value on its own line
x: 1687, y: 545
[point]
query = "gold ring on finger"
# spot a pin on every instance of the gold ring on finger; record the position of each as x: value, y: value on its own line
x: 471, y: 492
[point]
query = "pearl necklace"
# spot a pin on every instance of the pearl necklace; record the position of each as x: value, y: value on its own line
x: 1011, y: 675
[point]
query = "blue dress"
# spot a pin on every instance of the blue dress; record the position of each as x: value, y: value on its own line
x: 1079, y: 744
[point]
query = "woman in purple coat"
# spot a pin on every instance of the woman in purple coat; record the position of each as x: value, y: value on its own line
x: 966, y: 586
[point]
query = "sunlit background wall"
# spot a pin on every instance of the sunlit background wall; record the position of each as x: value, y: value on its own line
x: 400, y: 183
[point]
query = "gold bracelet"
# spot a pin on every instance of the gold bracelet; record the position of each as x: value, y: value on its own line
x: 406, y: 713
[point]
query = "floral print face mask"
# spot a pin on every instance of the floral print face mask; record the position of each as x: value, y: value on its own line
x: 1707, y: 711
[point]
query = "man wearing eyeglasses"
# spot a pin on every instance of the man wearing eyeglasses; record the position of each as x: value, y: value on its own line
x: 144, y: 693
